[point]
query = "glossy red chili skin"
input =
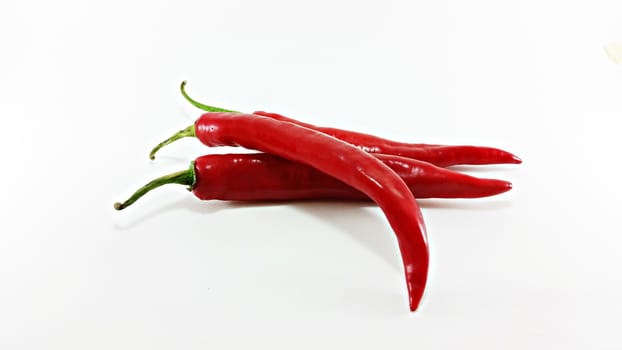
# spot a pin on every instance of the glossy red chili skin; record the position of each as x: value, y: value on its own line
x: 342, y: 161
x: 441, y: 155
x: 265, y: 177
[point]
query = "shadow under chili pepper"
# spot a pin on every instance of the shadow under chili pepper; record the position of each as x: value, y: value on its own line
x: 187, y: 203
x: 350, y: 218
x: 464, y: 204
x: 371, y: 231
x: 347, y: 216
x: 480, y: 168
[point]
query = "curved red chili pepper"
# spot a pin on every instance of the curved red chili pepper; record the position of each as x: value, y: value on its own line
x: 338, y: 159
x: 262, y: 176
x: 441, y: 155
x: 266, y: 177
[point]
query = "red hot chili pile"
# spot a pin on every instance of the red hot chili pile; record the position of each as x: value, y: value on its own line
x: 300, y: 161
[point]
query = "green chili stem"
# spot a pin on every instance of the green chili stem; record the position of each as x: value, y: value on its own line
x: 201, y: 105
x: 187, y: 132
x: 184, y: 177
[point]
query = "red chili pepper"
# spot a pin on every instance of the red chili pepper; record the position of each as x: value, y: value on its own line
x: 266, y: 177
x: 338, y: 159
x: 441, y: 155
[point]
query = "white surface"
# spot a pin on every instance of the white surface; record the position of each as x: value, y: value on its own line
x: 615, y: 52
x: 87, y: 88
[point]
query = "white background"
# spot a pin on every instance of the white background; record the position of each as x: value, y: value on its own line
x: 87, y: 88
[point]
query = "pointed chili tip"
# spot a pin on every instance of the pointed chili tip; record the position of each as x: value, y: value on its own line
x: 413, y: 308
x: 501, y: 187
x: 516, y: 160
x: 414, y: 297
x: 414, y: 305
x: 118, y: 206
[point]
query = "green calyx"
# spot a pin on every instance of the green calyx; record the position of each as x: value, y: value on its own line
x: 184, y: 177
